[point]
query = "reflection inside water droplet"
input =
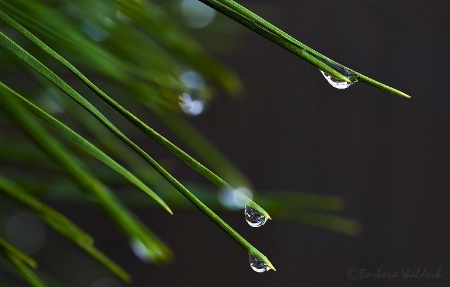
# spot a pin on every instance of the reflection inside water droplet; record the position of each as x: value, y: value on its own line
x: 338, y: 84
x: 191, y: 105
x: 253, y: 217
x: 257, y: 265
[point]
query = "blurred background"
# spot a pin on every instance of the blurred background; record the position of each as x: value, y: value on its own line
x: 290, y: 131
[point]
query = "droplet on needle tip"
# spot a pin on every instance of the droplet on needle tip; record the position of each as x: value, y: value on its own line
x: 253, y: 217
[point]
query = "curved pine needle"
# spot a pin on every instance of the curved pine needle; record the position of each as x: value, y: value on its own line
x: 88, y: 147
x: 43, y: 70
x: 157, y: 250
x: 60, y: 224
x: 106, y: 198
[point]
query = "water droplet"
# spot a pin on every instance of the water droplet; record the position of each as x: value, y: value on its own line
x: 338, y: 84
x: 235, y: 198
x: 191, y: 105
x: 257, y: 265
x: 253, y: 217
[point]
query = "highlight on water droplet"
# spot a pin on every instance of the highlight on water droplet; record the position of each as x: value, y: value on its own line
x: 235, y: 198
x: 191, y: 105
x: 257, y: 265
x: 253, y: 217
x: 336, y: 83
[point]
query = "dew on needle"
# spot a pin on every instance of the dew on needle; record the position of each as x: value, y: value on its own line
x: 253, y: 217
x: 257, y: 265
x: 338, y: 84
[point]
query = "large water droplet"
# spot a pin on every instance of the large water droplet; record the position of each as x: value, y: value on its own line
x: 253, y: 217
x: 257, y: 265
x: 336, y: 83
x: 191, y: 104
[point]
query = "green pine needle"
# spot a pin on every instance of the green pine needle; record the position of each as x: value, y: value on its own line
x: 157, y: 250
x: 269, y: 31
x: 22, y: 262
x: 88, y: 147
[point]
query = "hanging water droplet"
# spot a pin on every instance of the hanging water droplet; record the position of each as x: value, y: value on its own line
x: 253, y: 217
x: 191, y: 105
x: 336, y: 83
x: 257, y: 265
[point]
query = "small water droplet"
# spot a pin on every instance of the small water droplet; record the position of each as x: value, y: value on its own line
x: 191, y: 105
x: 257, y: 265
x: 338, y: 84
x: 253, y: 217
